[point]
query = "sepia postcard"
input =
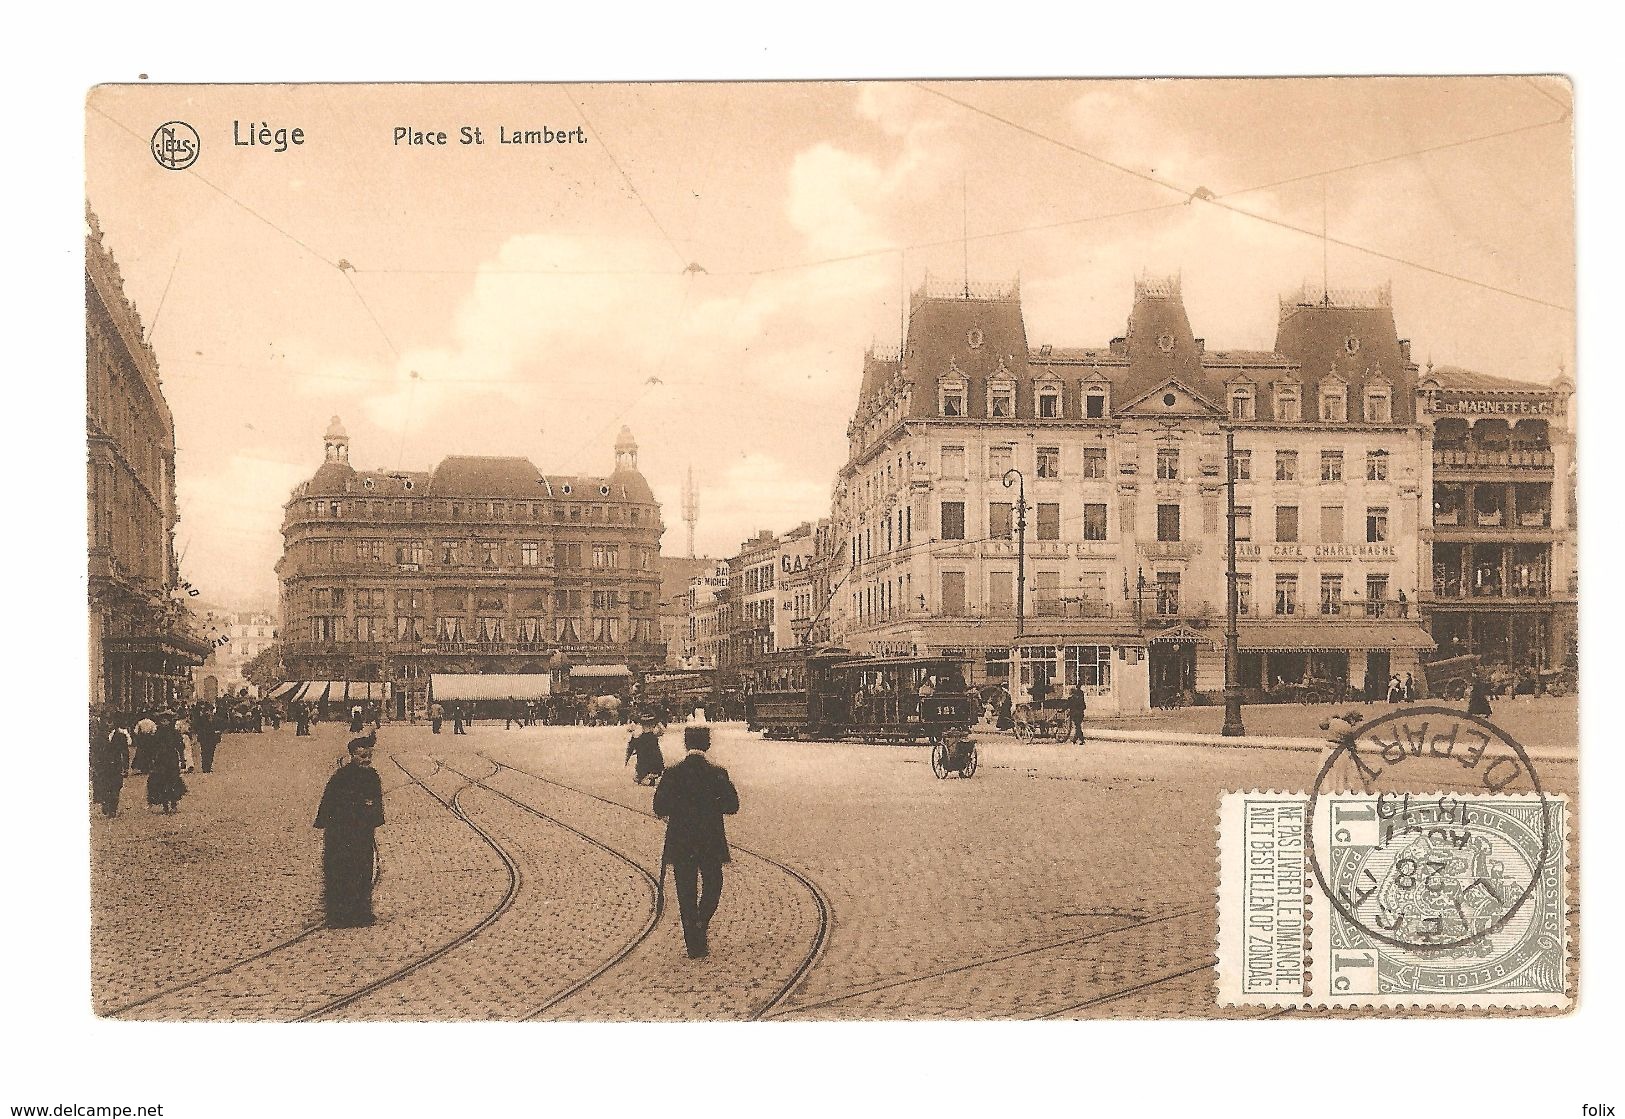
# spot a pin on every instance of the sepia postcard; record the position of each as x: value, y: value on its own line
x: 829, y: 551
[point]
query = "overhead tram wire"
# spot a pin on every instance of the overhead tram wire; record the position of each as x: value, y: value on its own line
x: 152, y: 327
x: 1279, y: 223
x: 682, y: 258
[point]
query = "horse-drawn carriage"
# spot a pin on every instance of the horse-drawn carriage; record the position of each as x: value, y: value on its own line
x: 1048, y: 721
x: 873, y: 699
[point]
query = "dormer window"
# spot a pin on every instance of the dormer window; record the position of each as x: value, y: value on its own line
x: 1288, y: 404
x: 1001, y: 401
x: 1242, y: 404
x: 1334, y: 401
x: 1379, y: 404
x: 952, y: 401
x: 1049, y: 402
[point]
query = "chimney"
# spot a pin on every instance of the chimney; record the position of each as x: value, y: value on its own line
x: 1405, y: 350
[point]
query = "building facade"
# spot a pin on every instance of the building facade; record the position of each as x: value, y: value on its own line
x: 141, y: 645
x: 677, y: 575
x: 1504, y: 582
x: 482, y: 565
x: 1119, y: 453
x: 235, y: 637
x: 710, y: 617
x: 754, y: 600
x: 807, y: 556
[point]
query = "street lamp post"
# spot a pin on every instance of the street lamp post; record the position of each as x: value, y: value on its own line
x: 1021, y: 571
x: 1232, y: 637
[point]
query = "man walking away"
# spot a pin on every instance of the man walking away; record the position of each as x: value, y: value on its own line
x: 208, y: 737
x: 352, y: 809
x: 1076, y: 704
x: 437, y: 716
x: 457, y: 719
x: 693, y: 797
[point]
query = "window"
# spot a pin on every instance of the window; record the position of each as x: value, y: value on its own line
x: 1168, y: 594
x: 1331, y: 594
x: 1167, y: 464
x: 448, y: 553
x: 1376, y: 466
x: 530, y: 553
x: 1094, y: 405
x: 1376, y: 524
x: 1379, y: 406
x: 1376, y: 588
x: 1286, y: 594
x: 1286, y: 523
x: 490, y: 552
x: 1331, y: 524
x: 448, y: 629
x: 490, y: 629
x: 1244, y: 522
x: 606, y: 555
x: 1244, y: 594
x: 953, y: 462
x: 1000, y: 596
x: 1331, y: 466
x: 567, y: 630
x: 1333, y: 404
x: 1168, y: 523
x: 1242, y: 405
x: 1049, y: 462
x: 1049, y: 403
x: 335, y: 508
x: 410, y: 551
x: 326, y: 628
x: 1094, y: 462
x: 321, y: 598
x: 1094, y: 522
x: 608, y: 599
x: 953, y: 520
x: 567, y: 601
x: 953, y: 400
x: 953, y: 593
x: 529, y: 631
x: 1001, y: 401
x: 999, y: 526
x: 408, y: 628
x: 1089, y: 666
x: 1049, y: 520
x: 1288, y: 404
x: 1244, y: 466
x: 999, y: 460
x: 1286, y: 466
x: 567, y: 555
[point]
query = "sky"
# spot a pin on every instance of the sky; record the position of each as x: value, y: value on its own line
x: 708, y: 268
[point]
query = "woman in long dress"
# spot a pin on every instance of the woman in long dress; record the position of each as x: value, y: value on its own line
x: 164, y: 784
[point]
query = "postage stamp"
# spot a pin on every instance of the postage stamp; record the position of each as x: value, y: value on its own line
x: 1442, y: 900
x: 1427, y: 867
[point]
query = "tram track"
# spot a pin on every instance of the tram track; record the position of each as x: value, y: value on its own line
x: 452, y: 804
x: 960, y: 969
x: 821, y: 904
x: 288, y: 942
x: 657, y: 908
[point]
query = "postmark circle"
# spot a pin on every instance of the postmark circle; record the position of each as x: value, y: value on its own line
x: 1438, y: 812
x: 176, y: 145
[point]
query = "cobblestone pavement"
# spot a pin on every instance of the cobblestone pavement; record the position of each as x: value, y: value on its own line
x: 1060, y: 881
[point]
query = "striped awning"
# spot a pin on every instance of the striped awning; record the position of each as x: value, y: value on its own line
x: 1303, y: 637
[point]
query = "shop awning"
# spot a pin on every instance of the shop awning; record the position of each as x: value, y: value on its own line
x: 1302, y: 637
x: 470, y: 686
x: 598, y: 671
x: 285, y: 691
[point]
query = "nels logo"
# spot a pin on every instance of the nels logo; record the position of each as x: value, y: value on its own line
x: 176, y: 145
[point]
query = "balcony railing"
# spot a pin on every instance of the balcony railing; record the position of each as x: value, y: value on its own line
x: 1509, y: 459
x: 1453, y: 589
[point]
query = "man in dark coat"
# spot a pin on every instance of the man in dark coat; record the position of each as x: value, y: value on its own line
x: 645, y: 746
x: 208, y: 737
x: 109, y: 757
x: 1076, y: 705
x: 164, y: 784
x: 693, y: 797
x: 1478, y: 703
x: 352, y: 807
x: 301, y: 715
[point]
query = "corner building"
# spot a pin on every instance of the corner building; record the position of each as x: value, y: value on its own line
x: 482, y: 565
x: 1121, y: 449
x: 141, y: 648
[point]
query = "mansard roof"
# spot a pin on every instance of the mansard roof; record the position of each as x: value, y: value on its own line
x: 972, y: 332
x: 1350, y: 333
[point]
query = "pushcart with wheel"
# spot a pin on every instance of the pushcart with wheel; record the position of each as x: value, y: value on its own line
x: 1041, y: 722
x: 953, y: 754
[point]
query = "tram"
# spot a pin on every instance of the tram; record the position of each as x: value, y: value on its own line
x: 834, y: 694
x: 680, y: 691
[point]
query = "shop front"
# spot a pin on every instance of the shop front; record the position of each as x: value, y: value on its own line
x: 1327, y: 661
